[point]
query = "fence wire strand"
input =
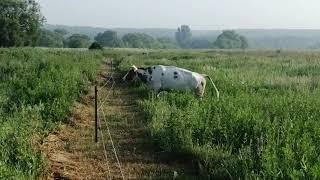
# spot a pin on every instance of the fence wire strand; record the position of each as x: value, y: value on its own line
x: 105, y: 150
x: 101, y: 110
x: 113, y: 147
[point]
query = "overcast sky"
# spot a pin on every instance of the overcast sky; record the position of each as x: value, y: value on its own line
x: 199, y: 14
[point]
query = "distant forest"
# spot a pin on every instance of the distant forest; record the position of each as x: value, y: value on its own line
x: 257, y: 38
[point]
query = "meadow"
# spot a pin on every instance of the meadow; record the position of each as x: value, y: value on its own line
x: 266, y: 124
x: 37, y: 90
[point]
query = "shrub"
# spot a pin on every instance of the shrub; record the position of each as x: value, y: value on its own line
x: 95, y: 46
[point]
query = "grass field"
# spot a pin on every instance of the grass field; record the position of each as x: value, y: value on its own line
x: 265, y: 125
x: 37, y: 91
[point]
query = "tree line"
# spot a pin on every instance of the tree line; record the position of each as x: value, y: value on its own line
x: 21, y: 24
x: 228, y: 39
x: 56, y: 38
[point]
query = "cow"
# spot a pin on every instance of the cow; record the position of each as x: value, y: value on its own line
x: 163, y: 78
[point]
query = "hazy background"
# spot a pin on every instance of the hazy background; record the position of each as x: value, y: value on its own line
x: 199, y: 14
x: 288, y: 24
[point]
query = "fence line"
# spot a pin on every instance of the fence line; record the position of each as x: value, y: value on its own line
x: 100, y: 109
x: 106, y: 97
x: 105, y: 151
x: 107, y: 82
x: 113, y: 147
x: 111, y: 77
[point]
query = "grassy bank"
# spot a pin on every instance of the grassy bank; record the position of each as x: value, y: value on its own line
x: 37, y: 91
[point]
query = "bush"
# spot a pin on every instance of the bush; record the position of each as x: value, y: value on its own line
x: 95, y: 46
x: 78, y: 41
x: 229, y: 39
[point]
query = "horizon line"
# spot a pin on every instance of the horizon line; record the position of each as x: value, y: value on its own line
x: 220, y: 29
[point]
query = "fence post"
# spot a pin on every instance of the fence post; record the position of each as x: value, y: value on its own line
x: 96, y: 112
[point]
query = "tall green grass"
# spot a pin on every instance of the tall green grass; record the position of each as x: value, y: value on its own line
x: 266, y: 124
x: 37, y: 91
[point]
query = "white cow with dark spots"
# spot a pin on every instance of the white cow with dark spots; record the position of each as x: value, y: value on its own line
x: 163, y: 78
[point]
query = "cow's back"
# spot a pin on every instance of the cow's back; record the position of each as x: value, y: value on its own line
x: 172, y: 77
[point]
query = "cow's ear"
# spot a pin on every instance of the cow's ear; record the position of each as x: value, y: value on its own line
x: 134, y: 68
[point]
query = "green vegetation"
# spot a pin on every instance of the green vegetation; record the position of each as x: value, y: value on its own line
x: 78, y: 41
x: 109, y: 39
x: 95, y: 46
x: 257, y: 38
x: 183, y: 39
x: 133, y: 40
x: 183, y: 36
x: 228, y: 39
x: 61, y: 31
x: 37, y: 91
x: 50, y: 39
x: 201, y: 44
x: 231, y: 40
x: 167, y: 43
x: 138, y: 40
x: 265, y: 125
x: 20, y: 22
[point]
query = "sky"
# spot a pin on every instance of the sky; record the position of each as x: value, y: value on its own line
x: 199, y: 14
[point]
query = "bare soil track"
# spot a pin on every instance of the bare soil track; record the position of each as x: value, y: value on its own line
x: 72, y: 153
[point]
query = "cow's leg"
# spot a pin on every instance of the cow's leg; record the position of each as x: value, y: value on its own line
x: 156, y: 88
x: 158, y: 94
x: 200, y: 89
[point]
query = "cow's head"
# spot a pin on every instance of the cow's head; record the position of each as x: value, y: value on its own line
x: 136, y: 74
x: 131, y: 74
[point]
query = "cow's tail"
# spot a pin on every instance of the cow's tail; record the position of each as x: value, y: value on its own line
x: 217, y: 92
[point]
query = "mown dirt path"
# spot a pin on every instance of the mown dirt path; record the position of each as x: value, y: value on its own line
x: 73, y: 154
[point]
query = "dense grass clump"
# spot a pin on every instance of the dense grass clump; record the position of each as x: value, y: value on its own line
x: 266, y: 124
x: 37, y: 90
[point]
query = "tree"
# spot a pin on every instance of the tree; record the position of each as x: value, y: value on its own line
x: 61, y: 31
x: 139, y: 40
x: 48, y: 38
x: 201, y: 44
x: 108, y: 39
x: 244, y: 42
x: 167, y: 43
x: 183, y: 36
x: 229, y: 39
x: 20, y: 22
x: 78, y: 41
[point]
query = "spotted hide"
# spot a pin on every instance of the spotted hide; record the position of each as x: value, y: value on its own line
x: 163, y: 78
